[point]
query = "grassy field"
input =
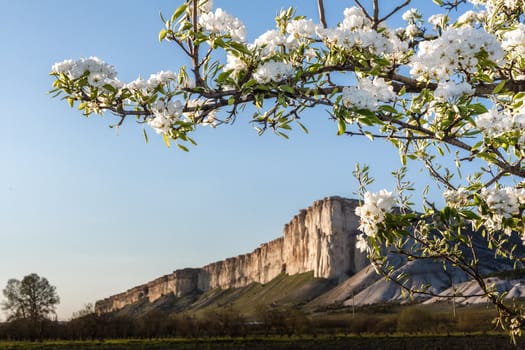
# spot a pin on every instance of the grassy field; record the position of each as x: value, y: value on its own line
x: 474, y: 342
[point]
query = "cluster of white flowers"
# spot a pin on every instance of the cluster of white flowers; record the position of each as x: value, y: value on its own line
x: 221, y: 22
x: 198, y: 106
x: 154, y: 81
x: 356, y: 32
x: 514, y: 41
x: 438, y: 20
x: 166, y: 113
x: 372, y: 213
x: 355, y: 18
x: 99, y: 72
x: 234, y: 64
x: 456, y: 198
x: 496, y: 123
x: 453, y: 51
x: 412, y: 15
x: 302, y: 28
x: 367, y: 94
x: 450, y: 90
x: 273, y: 71
x: 503, y: 203
x: 499, y: 5
x: 269, y: 42
x: 470, y: 18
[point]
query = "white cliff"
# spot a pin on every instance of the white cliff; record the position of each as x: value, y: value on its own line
x: 320, y: 238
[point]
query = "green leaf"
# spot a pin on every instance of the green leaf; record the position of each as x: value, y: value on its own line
x: 341, y: 127
x: 389, y: 109
x: 283, y: 135
x: 166, y: 140
x: 287, y: 89
x: 478, y: 108
x: 468, y: 214
x: 182, y: 147
x: 178, y: 12
x: 302, y: 127
x: 403, y: 158
x: 145, y: 136
x: 499, y: 87
x: 162, y: 34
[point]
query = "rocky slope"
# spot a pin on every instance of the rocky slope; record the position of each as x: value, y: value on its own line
x: 320, y: 238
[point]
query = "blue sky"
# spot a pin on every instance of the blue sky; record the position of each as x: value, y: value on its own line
x: 98, y: 211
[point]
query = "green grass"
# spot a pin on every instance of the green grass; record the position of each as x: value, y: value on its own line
x: 395, y: 342
x: 284, y: 290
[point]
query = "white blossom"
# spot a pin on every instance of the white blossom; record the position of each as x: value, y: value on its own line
x: 269, y: 42
x: 437, y: 20
x: 450, y: 90
x: 411, y: 15
x: 221, y: 22
x: 496, y: 123
x: 367, y: 94
x: 469, y: 18
x: 98, y: 72
x: 514, y: 41
x: 503, y: 203
x: 235, y: 64
x: 441, y: 58
x: 166, y: 114
x: 273, y: 71
x: 161, y: 78
x: 362, y: 243
x: 355, y: 19
x: 372, y: 212
x: 456, y: 198
x: 301, y: 28
x: 412, y: 30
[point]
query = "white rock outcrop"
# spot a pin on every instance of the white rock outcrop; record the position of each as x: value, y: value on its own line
x: 320, y: 238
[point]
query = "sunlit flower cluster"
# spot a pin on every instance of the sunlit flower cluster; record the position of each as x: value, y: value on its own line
x: 354, y: 19
x: 514, y: 41
x: 367, y: 94
x: 302, y: 28
x: 356, y: 32
x: 453, y: 52
x: 456, y: 198
x: 155, y: 80
x: 470, y: 18
x: 269, y: 42
x: 447, y: 90
x: 221, y: 22
x: 372, y: 213
x: 412, y: 15
x: 273, y: 71
x: 98, y: 72
x: 207, y: 117
x: 166, y: 113
x: 496, y: 123
x: 503, y: 203
x: 438, y: 20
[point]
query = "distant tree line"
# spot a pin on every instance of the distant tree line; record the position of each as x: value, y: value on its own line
x: 31, y: 302
x: 227, y: 322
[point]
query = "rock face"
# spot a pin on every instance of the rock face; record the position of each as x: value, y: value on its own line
x: 320, y: 238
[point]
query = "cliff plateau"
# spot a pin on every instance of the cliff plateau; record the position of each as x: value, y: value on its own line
x: 320, y: 239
